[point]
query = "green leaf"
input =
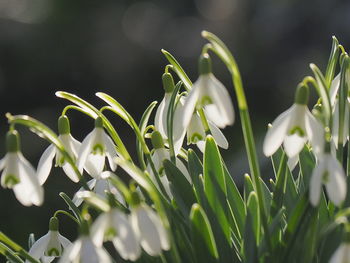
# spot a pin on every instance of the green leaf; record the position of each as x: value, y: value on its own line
x: 215, y: 192
x: 195, y: 170
x: 178, y: 69
x: 253, y: 210
x: 322, y: 91
x: 332, y: 61
x: 236, y: 204
x: 72, y: 206
x: 202, y: 236
x: 182, y: 189
x: 307, y: 164
x: 250, y: 251
x: 248, y: 187
x: 143, y: 126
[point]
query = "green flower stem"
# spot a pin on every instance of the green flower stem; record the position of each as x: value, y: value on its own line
x: 7, y: 252
x: 66, y: 214
x: 220, y: 49
x: 17, y: 248
x: 73, y: 107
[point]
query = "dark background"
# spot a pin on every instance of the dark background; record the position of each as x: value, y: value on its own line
x: 85, y: 46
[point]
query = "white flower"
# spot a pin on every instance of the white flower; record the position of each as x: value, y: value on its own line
x: 84, y: 250
x: 196, y: 133
x: 99, y: 185
x: 342, y: 254
x: 294, y: 128
x: 71, y: 145
x: 149, y: 229
x: 330, y: 172
x: 18, y: 174
x: 114, y: 226
x: 210, y: 93
x: 96, y: 146
x: 50, y: 245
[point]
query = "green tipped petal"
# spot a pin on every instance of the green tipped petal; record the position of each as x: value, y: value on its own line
x: 204, y: 64
x: 302, y: 94
x: 63, y: 125
x: 12, y: 141
x: 157, y: 140
x: 168, y: 82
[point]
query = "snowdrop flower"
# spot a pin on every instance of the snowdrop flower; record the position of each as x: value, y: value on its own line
x: 70, y: 144
x: 196, y: 133
x: 294, y: 128
x: 330, y: 172
x: 50, y: 245
x: 94, y: 149
x: 209, y: 92
x: 84, y: 250
x: 114, y: 226
x: 160, y: 121
x: 342, y: 254
x: 149, y: 229
x: 18, y: 174
x: 99, y: 185
x: 159, y: 155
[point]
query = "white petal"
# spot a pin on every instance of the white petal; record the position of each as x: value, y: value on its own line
x: 179, y: 130
x: 201, y: 146
x: 293, y: 144
x: 195, y: 130
x: 110, y: 151
x: 275, y: 135
x: 64, y: 241
x: 2, y: 163
x: 69, y: 171
x: 39, y: 247
x: 95, y: 164
x: 101, y: 187
x: 221, y: 111
x: 84, y: 150
x: 219, y: 137
x: 126, y: 242
x: 190, y: 103
x: 160, y: 120
x: 292, y: 162
x: 339, y: 256
x: 99, y: 227
x: 336, y: 185
x: 45, y: 163
x: 315, y: 133
x: 29, y: 187
x: 71, y: 254
x: 333, y: 91
x: 316, y: 183
x: 78, y: 200
x: 145, y: 225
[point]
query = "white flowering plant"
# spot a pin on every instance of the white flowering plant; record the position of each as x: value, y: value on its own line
x: 181, y: 204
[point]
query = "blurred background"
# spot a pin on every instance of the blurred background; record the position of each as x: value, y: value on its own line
x: 85, y: 46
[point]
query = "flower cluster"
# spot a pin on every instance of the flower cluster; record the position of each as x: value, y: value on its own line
x: 181, y: 204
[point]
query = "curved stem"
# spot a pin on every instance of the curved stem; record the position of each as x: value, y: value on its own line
x: 66, y: 214
x: 220, y: 49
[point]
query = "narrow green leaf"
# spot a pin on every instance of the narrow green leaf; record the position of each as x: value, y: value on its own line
x: 248, y: 187
x: 322, y: 91
x: 253, y: 210
x: 195, y: 170
x: 250, y: 251
x: 307, y: 164
x: 332, y: 61
x: 143, y: 125
x: 202, y: 236
x: 181, y: 187
x: 178, y: 69
x: 72, y: 206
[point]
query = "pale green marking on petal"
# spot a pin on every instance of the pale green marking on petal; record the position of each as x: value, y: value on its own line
x: 98, y: 149
x: 298, y: 130
x: 11, y: 180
